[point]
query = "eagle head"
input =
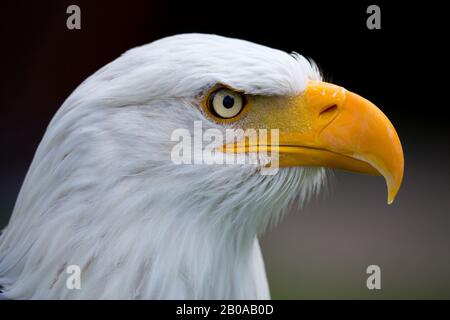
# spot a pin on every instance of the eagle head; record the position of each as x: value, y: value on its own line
x: 128, y: 182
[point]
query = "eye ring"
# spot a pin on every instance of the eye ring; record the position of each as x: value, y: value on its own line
x: 226, y: 103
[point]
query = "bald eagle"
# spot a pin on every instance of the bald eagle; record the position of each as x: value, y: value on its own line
x: 103, y: 193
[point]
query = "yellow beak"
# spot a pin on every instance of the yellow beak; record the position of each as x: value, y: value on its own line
x: 329, y: 126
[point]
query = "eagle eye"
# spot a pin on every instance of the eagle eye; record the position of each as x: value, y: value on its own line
x: 225, y: 103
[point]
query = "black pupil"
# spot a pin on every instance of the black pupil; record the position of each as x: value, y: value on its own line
x: 228, y: 102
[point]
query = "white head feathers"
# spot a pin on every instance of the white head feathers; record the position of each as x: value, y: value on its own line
x: 103, y: 194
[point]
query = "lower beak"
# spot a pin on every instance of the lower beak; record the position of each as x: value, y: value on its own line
x: 341, y: 130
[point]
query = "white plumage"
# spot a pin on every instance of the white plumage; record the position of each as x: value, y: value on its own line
x: 102, y: 192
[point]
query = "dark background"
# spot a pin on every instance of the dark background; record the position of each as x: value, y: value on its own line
x: 323, y: 251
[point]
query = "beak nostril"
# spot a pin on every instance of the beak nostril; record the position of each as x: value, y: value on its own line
x: 328, y: 110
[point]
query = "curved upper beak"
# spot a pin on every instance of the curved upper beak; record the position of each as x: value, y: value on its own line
x: 345, y: 131
x: 329, y: 126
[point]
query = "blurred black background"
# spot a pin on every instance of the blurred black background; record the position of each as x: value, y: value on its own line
x: 323, y: 251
